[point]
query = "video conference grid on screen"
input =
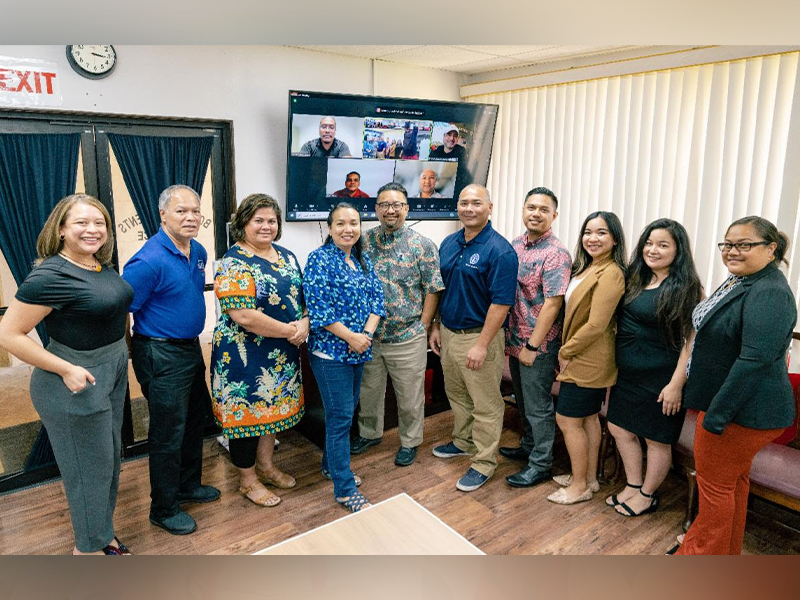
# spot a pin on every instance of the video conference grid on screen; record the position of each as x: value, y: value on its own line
x: 345, y: 147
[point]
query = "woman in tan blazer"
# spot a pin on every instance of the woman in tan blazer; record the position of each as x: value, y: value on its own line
x: 587, y: 354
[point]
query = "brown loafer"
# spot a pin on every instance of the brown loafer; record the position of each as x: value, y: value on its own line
x: 276, y: 477
x: 265, y: 498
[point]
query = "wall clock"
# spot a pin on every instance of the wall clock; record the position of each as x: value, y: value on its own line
x: 93, y: 62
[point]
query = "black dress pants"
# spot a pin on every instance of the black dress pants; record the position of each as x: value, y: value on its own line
x: 172, y: 376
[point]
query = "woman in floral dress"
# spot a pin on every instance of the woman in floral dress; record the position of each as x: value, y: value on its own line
x: 255, y: 359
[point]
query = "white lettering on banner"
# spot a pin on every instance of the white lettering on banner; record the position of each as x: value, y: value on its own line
x: 29, y: 82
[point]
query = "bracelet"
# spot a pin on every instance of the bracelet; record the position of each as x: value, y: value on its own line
x: 531, y: 348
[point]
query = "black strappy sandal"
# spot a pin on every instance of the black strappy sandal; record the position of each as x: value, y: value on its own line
x: 613, y: 497
x: 629, y: 512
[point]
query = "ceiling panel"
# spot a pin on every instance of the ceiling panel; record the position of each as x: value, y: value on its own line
x: 469, y: 59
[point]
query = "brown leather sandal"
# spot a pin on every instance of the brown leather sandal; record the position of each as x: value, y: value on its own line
x: 267, y: 498
x: 276, y: 477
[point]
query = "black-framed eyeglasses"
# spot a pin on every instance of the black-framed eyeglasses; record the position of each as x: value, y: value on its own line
x: 394, y: 205
x: 740, y: 246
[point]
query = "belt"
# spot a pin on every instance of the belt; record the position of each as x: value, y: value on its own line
x: 467, y: 330
x: 178, y: 341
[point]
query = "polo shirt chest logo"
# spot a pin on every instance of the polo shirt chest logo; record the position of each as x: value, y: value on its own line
x: 201, y: 264
x: 473, y: 260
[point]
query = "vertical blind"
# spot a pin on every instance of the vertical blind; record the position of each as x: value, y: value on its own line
x: 703, y: 145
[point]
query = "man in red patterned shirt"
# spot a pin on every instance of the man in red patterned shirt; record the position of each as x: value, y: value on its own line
x: 533, y: 337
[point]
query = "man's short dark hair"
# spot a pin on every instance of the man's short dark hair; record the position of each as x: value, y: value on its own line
x: 392, y: 187
x: 544, y: 192
x: 352, y: 173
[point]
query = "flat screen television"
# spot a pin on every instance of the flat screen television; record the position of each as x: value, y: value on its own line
x: 345, y: 147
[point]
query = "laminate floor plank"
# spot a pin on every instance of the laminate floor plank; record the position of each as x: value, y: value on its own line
x: 496, y: 518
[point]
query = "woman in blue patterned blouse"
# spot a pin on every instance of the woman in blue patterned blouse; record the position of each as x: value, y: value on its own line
x: 345, y: 304
x: 255, y: 357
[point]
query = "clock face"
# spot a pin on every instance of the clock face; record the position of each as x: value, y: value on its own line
x: 93, y: 62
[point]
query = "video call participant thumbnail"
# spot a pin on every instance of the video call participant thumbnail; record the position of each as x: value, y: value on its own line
x: 326, y: 145
x: 351, y: 187
x: 449, y: 149
x: 427, y: 184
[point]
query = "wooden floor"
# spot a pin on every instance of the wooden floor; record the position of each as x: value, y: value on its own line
x: 496, y: 518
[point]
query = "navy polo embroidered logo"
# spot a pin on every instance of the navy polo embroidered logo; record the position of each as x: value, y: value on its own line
x: 473, y: 260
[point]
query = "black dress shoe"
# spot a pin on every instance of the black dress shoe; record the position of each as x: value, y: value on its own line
x: 528, y: 477
x: 203, y: 493
x: 178, y: 524
x: 514, y: 453
x: 360, y: 444
x: 405, y: 456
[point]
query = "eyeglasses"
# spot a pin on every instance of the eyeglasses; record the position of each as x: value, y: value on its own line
x: 394, y: 205
x: 740, y: 246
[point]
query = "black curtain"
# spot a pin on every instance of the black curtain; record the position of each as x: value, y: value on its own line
x: 36, y: 171
x: 150, y: 164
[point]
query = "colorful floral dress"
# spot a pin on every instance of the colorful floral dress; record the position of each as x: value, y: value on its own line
x: 255, y: 380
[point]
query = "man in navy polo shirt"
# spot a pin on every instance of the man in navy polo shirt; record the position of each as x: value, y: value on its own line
x: 479, y: 268
x: 168, y: 275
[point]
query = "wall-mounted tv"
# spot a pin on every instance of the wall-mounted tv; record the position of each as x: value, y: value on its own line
x: 344, y: 147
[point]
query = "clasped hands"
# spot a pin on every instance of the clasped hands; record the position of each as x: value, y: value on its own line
x: 300, y: 334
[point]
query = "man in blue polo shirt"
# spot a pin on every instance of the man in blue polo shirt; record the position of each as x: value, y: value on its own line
x: 479, y: 268
x: 168, y: 275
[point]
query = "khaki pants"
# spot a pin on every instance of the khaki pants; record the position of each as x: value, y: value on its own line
x: 405, y: 362
x: 474, y: 396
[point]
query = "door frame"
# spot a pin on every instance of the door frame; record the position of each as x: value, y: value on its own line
x: 97, y: 178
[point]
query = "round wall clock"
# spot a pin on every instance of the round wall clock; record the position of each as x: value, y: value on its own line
x: 93, y: 62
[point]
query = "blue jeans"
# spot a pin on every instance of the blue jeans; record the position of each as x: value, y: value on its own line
x: 340, y: 386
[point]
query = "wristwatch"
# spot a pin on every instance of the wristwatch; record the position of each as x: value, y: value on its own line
x: 369, y: 334
x: 531, y: 348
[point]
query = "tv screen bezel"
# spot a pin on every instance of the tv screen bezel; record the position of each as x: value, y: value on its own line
x: 370, y: 215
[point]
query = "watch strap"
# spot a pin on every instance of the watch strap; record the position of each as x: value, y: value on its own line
x: 531, y: 348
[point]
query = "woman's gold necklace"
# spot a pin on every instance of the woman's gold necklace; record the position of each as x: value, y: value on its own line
x: 97, y: 268
x: 266, y: 255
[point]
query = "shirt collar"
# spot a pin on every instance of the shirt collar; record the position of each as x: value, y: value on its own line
x: 321, y: 147
x: 530, y: 244
x: 478, y: 239
x: 334, y: 249
x: 166, y: 241
x: 390, y: 236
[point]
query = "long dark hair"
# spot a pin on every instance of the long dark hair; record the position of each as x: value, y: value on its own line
x: 358, y: 248
x: 679, y: 293
x: 583, y: 259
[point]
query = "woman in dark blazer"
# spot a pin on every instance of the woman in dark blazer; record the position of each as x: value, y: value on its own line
x: 738, y: 380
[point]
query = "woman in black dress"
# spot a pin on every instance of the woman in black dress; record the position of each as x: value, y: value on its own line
x: 653, y: 342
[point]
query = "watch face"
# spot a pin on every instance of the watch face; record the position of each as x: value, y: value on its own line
x: 92, y: 61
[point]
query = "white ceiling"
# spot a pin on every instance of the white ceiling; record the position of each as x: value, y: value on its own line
x: 470, y: 60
